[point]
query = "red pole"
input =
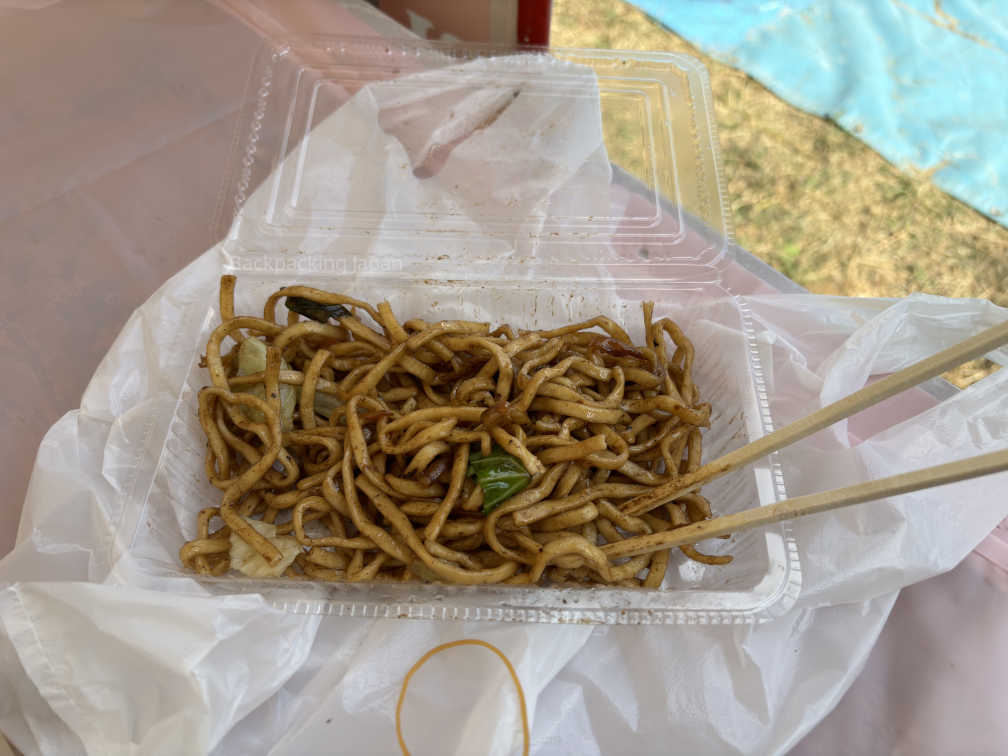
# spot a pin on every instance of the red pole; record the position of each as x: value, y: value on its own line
x: 534, y: 22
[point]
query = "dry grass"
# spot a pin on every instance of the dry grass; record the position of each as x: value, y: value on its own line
x: 812, y: 200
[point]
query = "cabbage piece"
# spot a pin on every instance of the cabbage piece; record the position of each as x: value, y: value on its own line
x: 250, y: 562
x: 252, y: 359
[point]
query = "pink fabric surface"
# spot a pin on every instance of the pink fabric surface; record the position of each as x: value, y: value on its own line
x: 114, y: 148
x: 937, y: 680
x: 272, y: 19
x: 116, y: 133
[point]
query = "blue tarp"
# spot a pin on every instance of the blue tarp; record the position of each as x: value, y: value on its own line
x: 923, y: 82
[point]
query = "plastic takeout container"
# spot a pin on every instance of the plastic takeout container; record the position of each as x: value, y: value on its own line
x: 664, y: 235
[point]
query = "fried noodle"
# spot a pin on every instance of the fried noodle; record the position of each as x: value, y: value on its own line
x: 345, y: 450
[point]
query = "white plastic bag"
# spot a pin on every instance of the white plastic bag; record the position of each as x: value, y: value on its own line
x: 744, y: 689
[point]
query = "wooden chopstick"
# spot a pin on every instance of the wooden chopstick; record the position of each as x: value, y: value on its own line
x: 975, y: 346
x: 939, y: 475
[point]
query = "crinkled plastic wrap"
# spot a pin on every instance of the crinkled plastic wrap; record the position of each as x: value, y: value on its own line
x: 98, y: 656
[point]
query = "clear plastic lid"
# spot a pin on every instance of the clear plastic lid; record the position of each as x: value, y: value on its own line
x: 441, y: 122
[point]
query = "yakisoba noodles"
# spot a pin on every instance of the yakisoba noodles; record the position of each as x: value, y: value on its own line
x: 353, y: 446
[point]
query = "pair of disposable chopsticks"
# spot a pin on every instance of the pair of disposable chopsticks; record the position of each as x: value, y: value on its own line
x: 939, y: 475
